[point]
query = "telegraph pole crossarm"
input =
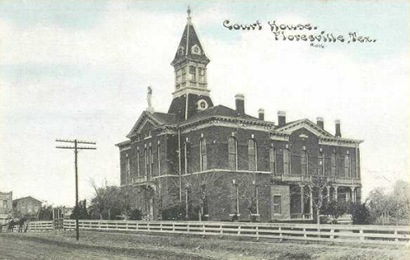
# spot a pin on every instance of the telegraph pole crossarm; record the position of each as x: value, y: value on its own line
x: 76, y: 147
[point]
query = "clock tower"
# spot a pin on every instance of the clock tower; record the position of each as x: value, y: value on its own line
x: 191, y: 92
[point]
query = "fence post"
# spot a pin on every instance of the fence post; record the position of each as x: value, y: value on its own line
x: 396, y: 235
x: 361, y: 234
x: 257, y: 233
x: 220, y: 229
x: 280, y: 234
x: 332, y: 231
x: 239, y: 229
x: 203, y: 230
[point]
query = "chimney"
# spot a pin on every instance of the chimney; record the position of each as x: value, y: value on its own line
x: 240, y: 103
x: 261, y: 114
x: 281, y: 118
x: 319, y: 122
x: 338, y: 133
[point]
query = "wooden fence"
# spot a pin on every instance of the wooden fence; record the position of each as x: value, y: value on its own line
x: 40, y: 225
x: 306, y: 232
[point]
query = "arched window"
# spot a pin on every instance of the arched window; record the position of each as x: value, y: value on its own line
x: 252, y: 155
x: 151, y: 160
x: 321, y: 164
x: 128, y: 170
x: 233, y: 153
x: 333, y: 164
x: 286, y: 161
x: 304, y: 162
x: 187, y: 153
x: 138, y: 162
x: 347, y: 166
x: 202, y: 155
x: 159, y: 158
x: 272, y: 159
x: 146, y: 161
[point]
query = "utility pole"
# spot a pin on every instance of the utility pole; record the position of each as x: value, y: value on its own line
x: 76, y: 148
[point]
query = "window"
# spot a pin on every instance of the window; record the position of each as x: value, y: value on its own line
x: 286, y: 161
x: 138, y: 162
x: 277, y: 204
x: 151, y: 160
x: 4, y: 204
x: 333, y: 164
x: 204, y: 200
x: 202, y: 155
x: 233, y: 153
x: 159, y: 158
x: 146, y: 161
x: 128, y: 170
x: 236, y: 198
x: 201, y: 74
x: 179, y: 76
x: 304, y: 162
x: 347, y: 166
x: 192, y: 71
x: 252, y: 160
x: 272, y: 159
x: 186, y: 157
x: 321, y: 164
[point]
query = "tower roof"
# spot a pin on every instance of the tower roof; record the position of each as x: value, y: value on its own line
x: 187, y: 46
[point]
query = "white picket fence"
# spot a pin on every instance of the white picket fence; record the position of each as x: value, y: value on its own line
x: 306, y: 232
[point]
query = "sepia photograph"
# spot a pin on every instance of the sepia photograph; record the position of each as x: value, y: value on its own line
x: 230, y: 129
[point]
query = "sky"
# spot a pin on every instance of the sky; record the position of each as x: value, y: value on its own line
x: 80, y: 69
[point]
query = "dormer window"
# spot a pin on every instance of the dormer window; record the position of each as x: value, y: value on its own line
x: 181, y: 50
x: 196, y: 50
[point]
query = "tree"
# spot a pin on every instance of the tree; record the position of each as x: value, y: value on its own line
x: 360, y: 214
x: 392, y: 207
x: 112, y: 202
x: 318, y: 183
x: 335, y: 208
x: 81, y: 211
x: 45, y: 213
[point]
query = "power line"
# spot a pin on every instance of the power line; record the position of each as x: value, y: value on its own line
x: 76, y: 148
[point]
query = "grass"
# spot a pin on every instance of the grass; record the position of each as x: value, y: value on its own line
x: 102, y: 245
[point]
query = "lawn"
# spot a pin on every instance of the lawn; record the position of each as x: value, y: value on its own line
x: 102, y: 245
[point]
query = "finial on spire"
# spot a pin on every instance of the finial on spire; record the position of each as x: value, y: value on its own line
x: 189, y: 12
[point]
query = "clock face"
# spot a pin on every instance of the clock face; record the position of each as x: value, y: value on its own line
x: 202, y: 104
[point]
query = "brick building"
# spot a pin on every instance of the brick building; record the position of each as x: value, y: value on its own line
x: 6, y: 206
x: 27, y: 206
x: 221, y: 163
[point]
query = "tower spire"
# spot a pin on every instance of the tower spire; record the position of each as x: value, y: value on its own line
x: 191, y: 86
x: 189, y: 13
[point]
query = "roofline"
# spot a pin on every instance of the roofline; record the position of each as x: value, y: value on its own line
x: 253, y: 121
x: 123, y: 143
x: 27, y: 198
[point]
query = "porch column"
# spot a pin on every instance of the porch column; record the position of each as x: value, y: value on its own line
x: 335, y: 188
x: 302, y: 206
x: 328, y: 193
x: 353, y: 193
x: 311, y: 201
x: 347, y: 195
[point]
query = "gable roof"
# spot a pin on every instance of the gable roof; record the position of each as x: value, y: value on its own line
x: 303, y: 123
x: 155, y: 117
x: 27, y: 198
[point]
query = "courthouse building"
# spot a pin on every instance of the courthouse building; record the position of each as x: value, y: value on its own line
x: 220, y: 163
